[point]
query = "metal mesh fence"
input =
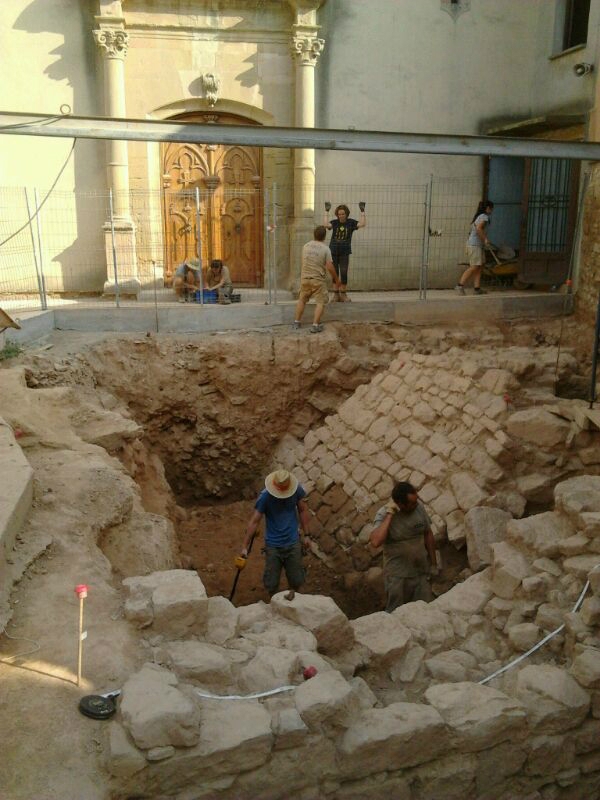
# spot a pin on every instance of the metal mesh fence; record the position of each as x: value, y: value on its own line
x: 77, y: 249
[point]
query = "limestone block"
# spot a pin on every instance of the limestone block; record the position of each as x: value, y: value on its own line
x: 509, y: 567
x: 553, y: 699
x: 123, y: 759
x: 445, y: 504
x: 451, y: 666
x: 538, y: 426
x: 484, y: 526
x: 407, y: 668
x: 449, y: 777
x: 289, y: 729
x: 253, y: 614
x: 468, y: 597
x: 382, y: 634
x: 378, y: 429
x: 417, y: 457
x: 549, y: 617
x: 245, y: 741
x: 547, y: 565
x: 197, y: 661
x: 270, y: 668
x: 468, y: 494
x: 456, y: 531
x: 580, y: 566
x: 160, y: 753
x: 480, y: 645
x: 416, y: 432
x: 536, y: 486
x: 495, y: 770
x: 222, y: 620
x: 391, y: 384
x: 434, y: 467
x: 174, y: 600
x: 587, y: 737
x: 586, y: 669
x: 402, y: 734
x: 574, y: 545
x: 424, y: 413
x: 440, y: 445
x: 327, y: 697
x: 429, y: 626
x: 498, y: 381
x: 155, y: 712
x: 479, y: 716
x: 549, y: 755
x: 542, y: 533
x: 524, y: 636
x: 321, y: 616
x: 577, y: 496
x: 484, y: 466
x: 362, y: 693
x: 594, y: 579
x: 590, y: 611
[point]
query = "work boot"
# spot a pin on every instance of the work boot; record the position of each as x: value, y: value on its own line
x: 477, y: 290
x: 316, y: 328
x: 459, y: 289
x: 290, y: 595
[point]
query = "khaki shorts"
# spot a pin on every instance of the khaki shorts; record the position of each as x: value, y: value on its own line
x: 475, y: 255
x: 316, y: 289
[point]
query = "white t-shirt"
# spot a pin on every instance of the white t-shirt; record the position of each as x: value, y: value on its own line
x: 474, y: 239
x: 315, y: 256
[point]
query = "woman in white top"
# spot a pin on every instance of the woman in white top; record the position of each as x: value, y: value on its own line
x: 475, y: 243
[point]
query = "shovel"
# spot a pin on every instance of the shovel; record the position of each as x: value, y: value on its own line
x: 240, y: 563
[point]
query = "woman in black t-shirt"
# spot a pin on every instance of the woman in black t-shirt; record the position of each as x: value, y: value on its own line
x: 342, y: 227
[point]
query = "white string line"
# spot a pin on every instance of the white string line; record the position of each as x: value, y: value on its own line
x: 8, y: 659
x: 543, y: 641
x: 252, y: 696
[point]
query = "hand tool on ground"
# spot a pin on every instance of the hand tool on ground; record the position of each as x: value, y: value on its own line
x: 240, y: 563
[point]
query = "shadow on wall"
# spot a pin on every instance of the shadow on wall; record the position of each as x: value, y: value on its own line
x: 73, y: 238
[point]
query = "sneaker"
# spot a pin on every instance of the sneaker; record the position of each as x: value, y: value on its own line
x: 459, y: 289
x: 316, y: 328
x: 479, y: 291
x: 296, y: 326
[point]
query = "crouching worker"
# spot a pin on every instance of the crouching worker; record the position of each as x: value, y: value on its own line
x: 404, y: 530
x: 282, y: 504
x: 218, y: 280
x: 186, y: 280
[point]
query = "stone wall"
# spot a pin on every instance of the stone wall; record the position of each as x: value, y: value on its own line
x: 588, y: 283
x: 397, y: 707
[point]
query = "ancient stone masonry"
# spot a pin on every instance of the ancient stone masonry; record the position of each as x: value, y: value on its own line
x: 479, y: 434
x: 397, y: 707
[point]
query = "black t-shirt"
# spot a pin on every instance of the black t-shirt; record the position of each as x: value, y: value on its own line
x: 341, y: 235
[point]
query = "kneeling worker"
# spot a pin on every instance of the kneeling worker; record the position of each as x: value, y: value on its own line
x: 316, y: 263
x: 186, y: 280
x: 404, y: 530
x: 282, y: 504
x: 218, y: 279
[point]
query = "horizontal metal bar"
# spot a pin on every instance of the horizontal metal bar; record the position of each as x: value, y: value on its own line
x: 308, y: 138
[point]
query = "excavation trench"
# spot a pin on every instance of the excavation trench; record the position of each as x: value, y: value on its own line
x: 219, y: 415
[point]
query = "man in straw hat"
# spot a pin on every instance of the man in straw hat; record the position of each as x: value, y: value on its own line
x: 282, y: 504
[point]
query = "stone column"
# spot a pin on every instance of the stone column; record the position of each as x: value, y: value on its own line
x: 307, y: 48
x: 112, y: 39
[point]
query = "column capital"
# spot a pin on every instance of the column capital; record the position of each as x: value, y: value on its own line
x: 306, y: 45
x: 112, y: 41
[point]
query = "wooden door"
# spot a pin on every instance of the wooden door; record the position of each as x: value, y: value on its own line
x: 228, y: 179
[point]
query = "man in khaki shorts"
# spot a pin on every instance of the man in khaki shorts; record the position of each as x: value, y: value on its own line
x: 316, y: 263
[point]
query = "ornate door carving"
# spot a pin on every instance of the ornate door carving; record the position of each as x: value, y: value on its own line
x: 229, y: 183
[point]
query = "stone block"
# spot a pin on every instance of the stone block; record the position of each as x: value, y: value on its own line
x: 580, y: 566
x: 541, y: 533
x: 445, y: 504
x: 574, y: 545
x: 468, y: 494
x: 586, y: 669
x: 429, y: 626
x: 417, y: 457
x: 538, y: 426
x: 467, y: 598
x: 577, y: 496
x: 289, y: 729
x: 123, y: 759
x: 319, y: 615
x: 326, y: 698
x: 402, y: 734
x: 590, y: 612
x: 383, y: 635
x: 455, y: 527
x: 549, y: 755
x: 524, y: 636
x: 156, y: 713
x: 509, y: 567
x: 451, y: 666
x: 553, y: 699
x: 479, y: 716
x: 222, y: 620
x: 270, y: 668
x: 484, y: 526
x: 175, y: 601
x: 405, y: 670
x: 197, y: 661
x: 536, y: 487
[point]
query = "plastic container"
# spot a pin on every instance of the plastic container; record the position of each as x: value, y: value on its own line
x: 210, y: 296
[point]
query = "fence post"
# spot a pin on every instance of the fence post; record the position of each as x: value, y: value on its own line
x: 155, y: 293
x: 274, y: 252
x: 267, y: 252
x: 425, y: 252
x: 40, y: 248
x: 114, y: 249
x: 34, y: 250
x: 199, y: 245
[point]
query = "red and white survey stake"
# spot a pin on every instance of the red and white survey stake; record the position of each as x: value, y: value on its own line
x: 81, y: 590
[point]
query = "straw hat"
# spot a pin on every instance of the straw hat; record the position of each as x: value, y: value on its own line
x: 281, y: 484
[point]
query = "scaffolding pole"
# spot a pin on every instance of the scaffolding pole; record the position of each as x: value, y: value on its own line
x: 24, y: 124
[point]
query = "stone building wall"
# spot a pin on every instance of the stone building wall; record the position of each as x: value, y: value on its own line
x: 588, y: 279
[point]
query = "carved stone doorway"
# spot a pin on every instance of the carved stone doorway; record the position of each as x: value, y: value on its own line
x: 229, y: 179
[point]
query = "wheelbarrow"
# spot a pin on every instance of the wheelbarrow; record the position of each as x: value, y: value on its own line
x: 504, y: 265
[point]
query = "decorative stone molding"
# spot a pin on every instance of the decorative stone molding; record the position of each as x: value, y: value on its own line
x: 307, y: 47
x: 456, y: 7
x: 112, y: 41
x: 211, y: 85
